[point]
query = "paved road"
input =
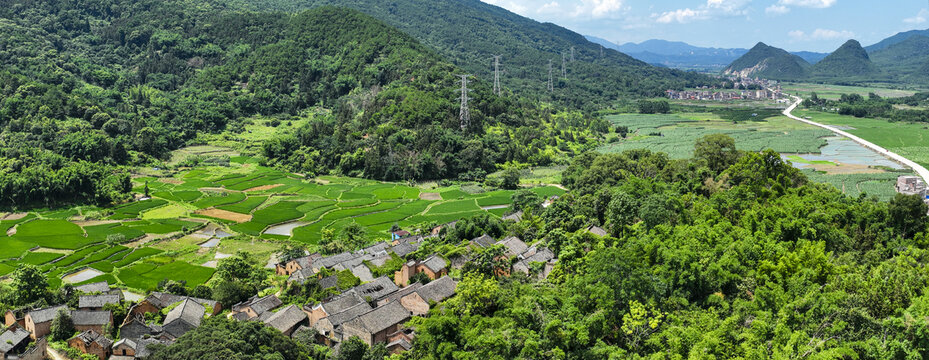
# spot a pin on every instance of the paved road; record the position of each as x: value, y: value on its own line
x: 919, y: 169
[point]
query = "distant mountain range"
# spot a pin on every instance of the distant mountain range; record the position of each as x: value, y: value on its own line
x: 902, y: 58
x: 682, y: 55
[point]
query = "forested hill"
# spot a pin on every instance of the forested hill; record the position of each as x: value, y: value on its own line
x: 470, y: 32
x: 769, y: 62
x: 850, y: 60
x: 87, y: 87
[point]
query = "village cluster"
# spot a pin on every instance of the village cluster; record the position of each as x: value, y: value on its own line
x: 375, y: 311
x: 742, y: 89
x: 913, y: 185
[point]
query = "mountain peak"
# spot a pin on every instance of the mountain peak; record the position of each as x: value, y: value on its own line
x: 848, y: 60
x: 769, y: 62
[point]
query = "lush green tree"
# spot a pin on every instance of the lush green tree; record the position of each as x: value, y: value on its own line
x: 908, y: 214
x: 527, y: 200
x: 222, y: 338
x: 28, y: 285
x: 62, y: 327
x: 510, y: 178
x: 717, y: 150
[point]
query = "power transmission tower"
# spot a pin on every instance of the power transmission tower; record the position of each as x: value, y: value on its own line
x: 497, y: 88
x: 551, y: 86
x: 572, y: 54
x: 465, y: 114
x: 601, y: 50
x: 564, y: 70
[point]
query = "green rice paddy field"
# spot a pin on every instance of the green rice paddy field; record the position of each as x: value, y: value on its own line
x: 245, y: 200
x: 834, y: 92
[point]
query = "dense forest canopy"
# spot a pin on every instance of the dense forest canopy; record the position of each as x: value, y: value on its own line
x: 127, y: 81
x: 470, y: 32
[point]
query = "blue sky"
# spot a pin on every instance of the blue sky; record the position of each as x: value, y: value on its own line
x: 795, y: 25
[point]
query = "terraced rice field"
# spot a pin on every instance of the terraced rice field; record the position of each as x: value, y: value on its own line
x: 245, y: 200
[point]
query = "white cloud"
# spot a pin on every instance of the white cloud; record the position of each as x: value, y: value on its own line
x: 920, y: 18
x: 711, y: 9
x: 551, y: 8
x: 597, y: 8
x: 777, y: 9
x: 821, y: 34
x: 818, y: 4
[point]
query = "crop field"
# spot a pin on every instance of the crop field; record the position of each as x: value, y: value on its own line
x: 676, y: 134
x: 833, y: 92
x: 141, y: 243
x: 907, y: 139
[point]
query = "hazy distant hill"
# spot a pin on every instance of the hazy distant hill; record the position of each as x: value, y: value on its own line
x: 849, y: 60
x: 682, y: 55
x: 769, y: 62
x: 896, y: 39
x: 469, y: 32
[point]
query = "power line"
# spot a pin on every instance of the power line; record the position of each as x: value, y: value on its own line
x: 465, y: 114
x: 497, y: 88
x: 551, y: 86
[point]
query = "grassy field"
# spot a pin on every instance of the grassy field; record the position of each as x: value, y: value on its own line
x: 909, y: 140
x: 61, y: 243
x: 833, y: 92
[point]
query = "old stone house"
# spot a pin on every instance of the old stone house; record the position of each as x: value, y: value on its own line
x: 91, y: 342
x: 374, y: 326
x: 39, y: 322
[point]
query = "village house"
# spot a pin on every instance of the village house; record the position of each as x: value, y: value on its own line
x: 544, y: 256
x: 96, y: 302
x: 330, y: 328
x: 336, y: 305
x: 287, y: 319
x: 374, y: 326
x: 91, y: 320
x: 297, y: 264
x: 483, y: 241
x: 596, y: 230
x: 183, y: 318
x: 512, y: 246
x: 434, y: 267
x: 400, y: 341
x: 156, y: 301
x: 376, y: 290
x: 15, y: 316
x: 91, y: 342
x: 39, y: 322
x: 255, y: 307
x: 515, y: 217
x: 419, y: 301
x: 397, y: 295
x: 130, y: 349
x: 13, y: 341
x: 134, y: 327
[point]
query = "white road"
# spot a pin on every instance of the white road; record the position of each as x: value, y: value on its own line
x: 919, y: 169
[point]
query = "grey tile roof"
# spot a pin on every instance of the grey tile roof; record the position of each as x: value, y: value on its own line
x: 401, y: 293
x: 483, y: 241
x: 96, y: 301
x: 259, y: 305
x: 130, y: 343
x: 100, y: 287
x: 12, y: 338
x: 376, y: 248
x: 331, y: 281
x: 86, y: 318
x: 189, y: 311
x: 438, y: 290
x: 330, y: 261
x: 380, y: 260
x: 142, y: 351
x: 349, y: 314
x: 435, y: 263
x: 517, y: 216
x: 287, y: 318
x: 45, y: 315
x: 403, y: 249
x: 241, y: 316
x: 302, y: 275
x: 163, y: 300
x: 362, y: 272
x: 304, y: 262
x: 377, y: 289
x: 513, y: 246
x: 542, y: 255
x: 401, y: 343
x: 346, y: 300
x: 382, y: 317
x: 90, y: 336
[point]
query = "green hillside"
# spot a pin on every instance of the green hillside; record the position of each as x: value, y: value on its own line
x: 85, y: 90
x: 769, y: 62
x: 905, y: 60
x: 470, y: 32
x: 850, y: 60
x: 896, y: 39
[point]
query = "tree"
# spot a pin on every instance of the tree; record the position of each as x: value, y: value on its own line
x: 62, y: 327
x: 353, y: 236
x: 908, y: 214
x: 654, y: 107
x: 222, y: 338
x: 291, y: 252
x: 526, y: 200
x: 352, y: 349
x: 510, y: 178
x: 718, y: 151
x: 28, y: 285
